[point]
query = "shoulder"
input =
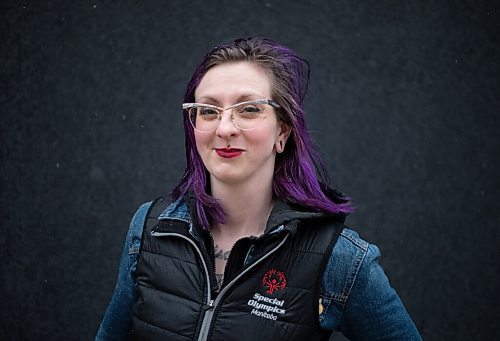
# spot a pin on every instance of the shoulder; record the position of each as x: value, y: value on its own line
x: 350, y: 252
x: 351, y: 246
x: 136, y: 226
x: 346, y: 265
x: 357, y: 297
x: 147, y: 215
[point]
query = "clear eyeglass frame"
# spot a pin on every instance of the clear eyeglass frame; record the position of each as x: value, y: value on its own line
x: 187, y: 107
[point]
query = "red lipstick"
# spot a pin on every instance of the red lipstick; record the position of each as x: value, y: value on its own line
x: 228, y: 153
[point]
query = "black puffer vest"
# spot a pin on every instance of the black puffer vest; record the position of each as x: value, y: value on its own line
x: 271, y: 283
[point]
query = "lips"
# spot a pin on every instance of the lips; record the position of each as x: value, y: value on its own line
x: 229, y: 153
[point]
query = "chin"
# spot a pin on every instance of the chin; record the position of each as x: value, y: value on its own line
x: 228, y: 175
x: 226, y: 178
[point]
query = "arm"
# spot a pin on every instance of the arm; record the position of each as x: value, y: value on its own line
x: 116, y: 322
x: 363, y: 305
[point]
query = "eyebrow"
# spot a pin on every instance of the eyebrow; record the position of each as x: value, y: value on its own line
x: 242, y: 98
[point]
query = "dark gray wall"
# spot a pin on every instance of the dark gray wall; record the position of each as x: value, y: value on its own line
x: 403, y: 104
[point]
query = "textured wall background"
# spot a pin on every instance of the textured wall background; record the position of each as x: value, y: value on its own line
x: 403, y: 104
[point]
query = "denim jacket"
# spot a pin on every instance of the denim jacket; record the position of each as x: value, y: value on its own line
x: 355, y: 295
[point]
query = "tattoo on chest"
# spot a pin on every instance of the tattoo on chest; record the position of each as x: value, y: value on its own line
x: 221, y: 254
x: 220, y: 279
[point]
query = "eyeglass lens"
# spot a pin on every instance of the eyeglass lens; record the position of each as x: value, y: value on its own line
x: 245, y: 116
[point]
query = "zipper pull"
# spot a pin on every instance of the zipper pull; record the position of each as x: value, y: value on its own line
x: 208, y: 306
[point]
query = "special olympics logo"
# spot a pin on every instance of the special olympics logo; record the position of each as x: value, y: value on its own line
x: 274, y: 280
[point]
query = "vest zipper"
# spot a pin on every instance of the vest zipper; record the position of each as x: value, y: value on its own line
x: 207, y: 319
x: 210, y: 302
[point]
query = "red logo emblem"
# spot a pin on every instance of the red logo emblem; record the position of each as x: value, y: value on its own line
x: 274, y: 280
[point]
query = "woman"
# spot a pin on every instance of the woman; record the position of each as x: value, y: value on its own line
x: 253, y: 244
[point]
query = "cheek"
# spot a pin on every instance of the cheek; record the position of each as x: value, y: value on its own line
x: 203, y: 146
x: 202, y: 140
x: 262, y: 139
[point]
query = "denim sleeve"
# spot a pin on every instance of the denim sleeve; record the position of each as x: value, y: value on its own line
x: 357, y: 297
x: 117, y: 320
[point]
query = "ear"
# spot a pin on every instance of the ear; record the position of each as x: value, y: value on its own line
x: 283, y: 133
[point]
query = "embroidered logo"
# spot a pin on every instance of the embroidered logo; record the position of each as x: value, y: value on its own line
x: 274, y: 280
x: 266, y: 307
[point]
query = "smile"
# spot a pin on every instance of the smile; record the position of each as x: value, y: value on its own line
x: 229, y: 153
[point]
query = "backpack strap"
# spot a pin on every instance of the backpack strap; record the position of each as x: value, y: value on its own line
x: 156, y: 207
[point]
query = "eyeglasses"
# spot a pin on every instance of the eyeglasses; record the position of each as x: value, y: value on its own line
x: 244, y: 115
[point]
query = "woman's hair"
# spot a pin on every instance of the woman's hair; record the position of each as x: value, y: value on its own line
x: 299, y: 177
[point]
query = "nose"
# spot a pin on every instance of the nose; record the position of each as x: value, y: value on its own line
x: 226, y: 127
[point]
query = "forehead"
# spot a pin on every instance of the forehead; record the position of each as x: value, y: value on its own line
x: 231, y: 82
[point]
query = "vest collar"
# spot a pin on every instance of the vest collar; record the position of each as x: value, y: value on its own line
x: 284, y: 216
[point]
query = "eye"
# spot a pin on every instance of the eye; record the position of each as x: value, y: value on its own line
x: 207, y: 113
x: 249, y: 111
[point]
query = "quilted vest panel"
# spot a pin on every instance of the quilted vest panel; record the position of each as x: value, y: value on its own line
x: 273, y: 297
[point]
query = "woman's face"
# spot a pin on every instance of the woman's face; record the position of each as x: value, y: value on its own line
x: 232, y: 155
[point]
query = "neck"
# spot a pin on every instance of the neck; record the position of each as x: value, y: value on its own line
x: 247, y: 207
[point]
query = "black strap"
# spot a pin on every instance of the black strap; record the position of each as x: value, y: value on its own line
x: 157, y: 207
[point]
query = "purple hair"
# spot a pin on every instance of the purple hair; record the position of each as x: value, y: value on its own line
x: 299, y: 177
